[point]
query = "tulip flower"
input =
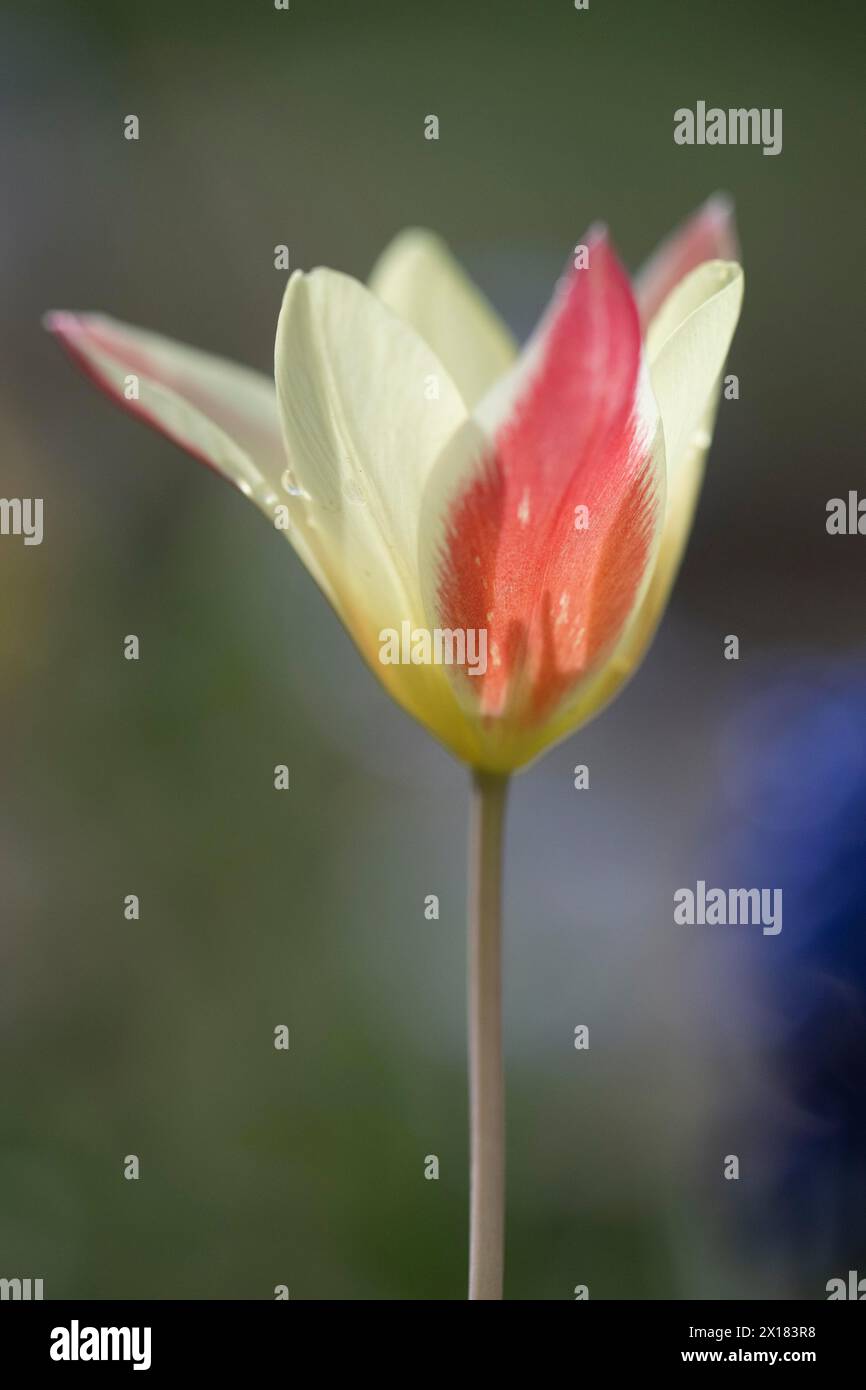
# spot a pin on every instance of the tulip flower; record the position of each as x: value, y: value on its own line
x: 434, y: 479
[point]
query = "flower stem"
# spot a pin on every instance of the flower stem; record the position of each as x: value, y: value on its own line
x: 486, y: 1082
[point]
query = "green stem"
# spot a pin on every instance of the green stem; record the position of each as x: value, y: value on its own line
x: 486, y: 1081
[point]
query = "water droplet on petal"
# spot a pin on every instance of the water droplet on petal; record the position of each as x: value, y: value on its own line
x: 291, y: 484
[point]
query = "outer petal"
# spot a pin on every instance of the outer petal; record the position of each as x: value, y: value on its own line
x: 710, y: 234
x: 420, y: 280
x: 573, y: 427
x: 687, y: 344
x: 223, y: 414
x: 366, y: 409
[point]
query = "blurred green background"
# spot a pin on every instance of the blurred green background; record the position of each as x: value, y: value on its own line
x: 306, y: 1168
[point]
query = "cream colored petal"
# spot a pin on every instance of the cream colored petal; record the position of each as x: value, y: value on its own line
x: 366, y: 409
x: 223, y: 414
x: 687, y: 344
x: 420, y: 280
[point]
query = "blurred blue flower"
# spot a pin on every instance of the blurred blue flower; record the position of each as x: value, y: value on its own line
x: 796, y: 784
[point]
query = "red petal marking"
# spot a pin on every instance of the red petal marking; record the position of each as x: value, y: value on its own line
x: 710, y: 234
x: 553, y: 598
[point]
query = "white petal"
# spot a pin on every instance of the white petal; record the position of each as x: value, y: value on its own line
x: 420, y: 280
x: 366, y: 409
x: 687, y: 344
x: 223, y: 414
